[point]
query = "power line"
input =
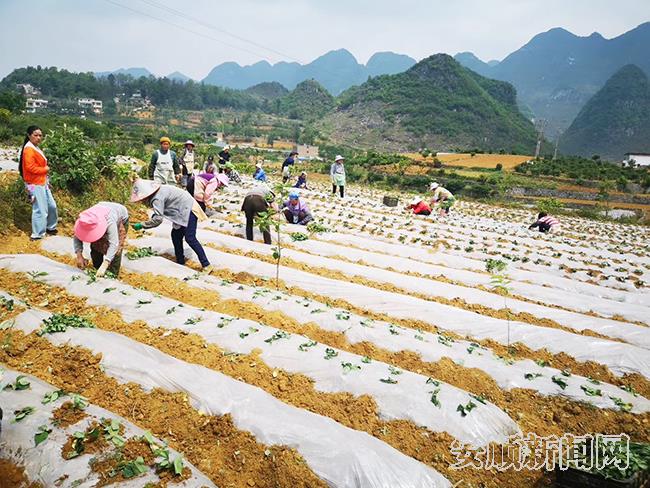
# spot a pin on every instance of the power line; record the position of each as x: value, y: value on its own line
x: 188, y: 30
x: 183, y: 15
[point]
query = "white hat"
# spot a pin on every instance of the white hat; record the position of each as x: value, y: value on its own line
x: 258, y: 165
x: 189, y: 142
x: 415, y: 200
x: 339, y: 158
x: 143, y: 189
x: 226, y: 147
x: 433, y: 186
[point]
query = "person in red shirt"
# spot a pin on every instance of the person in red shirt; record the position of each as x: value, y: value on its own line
x: 34, y: 170
x: 419, y: 207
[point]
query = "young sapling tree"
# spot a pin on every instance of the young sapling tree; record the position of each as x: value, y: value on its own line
x: 500, y: 283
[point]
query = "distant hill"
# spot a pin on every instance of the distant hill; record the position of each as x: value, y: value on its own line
x: 267, y: 90
x: 436, y: 104
x: 469, y: 60
x: 335, y: 70
x: 178, y: 76
x: 615, y: 120
x: 308, y: 101
x: 556, y: 72
x: 388, y: 63
x: 135, y: 72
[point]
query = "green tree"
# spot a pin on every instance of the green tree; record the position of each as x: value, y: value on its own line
x: 604, y: 194
x: 549, y: 205
x: 271, y: 220
x: 12, y: 101
x: 71, y: 159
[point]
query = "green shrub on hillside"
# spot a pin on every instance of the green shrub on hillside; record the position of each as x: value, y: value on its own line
x: 549, y: 205
x: 580, y: 168
x: 71, y: 159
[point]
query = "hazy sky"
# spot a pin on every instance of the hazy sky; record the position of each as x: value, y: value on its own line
x: 98, y: 35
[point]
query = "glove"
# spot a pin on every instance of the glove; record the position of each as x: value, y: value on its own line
x: 137, y: 226
x: 102, y: 269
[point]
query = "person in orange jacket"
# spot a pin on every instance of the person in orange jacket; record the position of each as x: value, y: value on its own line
x: 34, y: 170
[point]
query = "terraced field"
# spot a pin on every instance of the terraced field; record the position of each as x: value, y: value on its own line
x: 466, y: 160
x: 382, y: 347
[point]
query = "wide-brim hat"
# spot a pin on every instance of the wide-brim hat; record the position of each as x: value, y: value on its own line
x: 189, y: 143
x: 415, y: 200
x: 222, y: 179
x: 143, y: 189
x: 91, y: 224
x: 433, y: 186
x: 339, y: 158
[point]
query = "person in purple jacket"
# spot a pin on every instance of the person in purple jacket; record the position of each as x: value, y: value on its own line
x: 296, y: 211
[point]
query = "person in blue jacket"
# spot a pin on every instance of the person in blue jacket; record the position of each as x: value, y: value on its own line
x: 259, y: 174
x: 302, y: 181
x: 286, y: 166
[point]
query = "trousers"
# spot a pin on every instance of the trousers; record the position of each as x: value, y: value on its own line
x: 189, y: 234
x: 252, y: 206
x: 44, y: 211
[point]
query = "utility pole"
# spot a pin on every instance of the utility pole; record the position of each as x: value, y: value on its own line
x: 541, y: 124
x: 557, y: 143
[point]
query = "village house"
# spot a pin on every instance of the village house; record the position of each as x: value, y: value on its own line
x: 28, y: 89
x: 91, y: 104
x: 639, y: 158
x: 34, y: 104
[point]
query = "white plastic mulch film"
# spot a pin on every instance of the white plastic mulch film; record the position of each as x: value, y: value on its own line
x: 332, y: 370
x: 43, y: 463
x: 320, y: 251
x: 620, y: 357
x: 508, y: 373
x: 341, y: 456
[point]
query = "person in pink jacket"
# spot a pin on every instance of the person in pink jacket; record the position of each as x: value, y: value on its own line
x: 203, y: 186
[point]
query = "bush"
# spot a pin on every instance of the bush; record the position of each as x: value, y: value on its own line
x: 437, y: 163
x: 549, y: 205
x: 71, y: 160
x: 499, y: 167
x: 12, y: 101
x: 415, y: 182
x: 456, y: 186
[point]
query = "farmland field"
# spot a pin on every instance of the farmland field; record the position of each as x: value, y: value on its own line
x: 613, y: 204
x: 376, y: 350
x: 464, y: 160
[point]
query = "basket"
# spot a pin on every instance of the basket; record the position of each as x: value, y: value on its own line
x: 390, y: 201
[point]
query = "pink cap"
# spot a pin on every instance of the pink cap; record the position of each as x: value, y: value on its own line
x: 91, y: 224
